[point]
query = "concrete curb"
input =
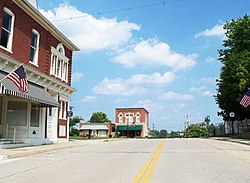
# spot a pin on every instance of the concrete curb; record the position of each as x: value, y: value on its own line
x: 239, y: 141
x: 31, y: 150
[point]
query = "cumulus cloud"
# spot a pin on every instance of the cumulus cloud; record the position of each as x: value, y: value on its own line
x: 77, y: 76
x: 217, y: 30
x: 152, y: 52
x: 88, y: 32
x: 201, y: 90
x: 132, y: 86
x: 155, y: 78
x: 210, y: 59
x: 89, y: 99
x: 209, y: 80
x: 175, y: 96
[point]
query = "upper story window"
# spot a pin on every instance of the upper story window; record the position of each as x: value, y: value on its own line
x: 129, y: 117
x: 7, y: 30
x: 34, y: 47
x: 138, y: 118
x: 59, y: 63
x: 120, y: 118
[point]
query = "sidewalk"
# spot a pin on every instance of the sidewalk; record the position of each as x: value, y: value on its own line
x: 234, y: 140
x: 30, y: 150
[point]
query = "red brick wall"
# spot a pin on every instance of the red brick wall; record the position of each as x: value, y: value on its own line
x: 142, y: 111
x: 23, y: 25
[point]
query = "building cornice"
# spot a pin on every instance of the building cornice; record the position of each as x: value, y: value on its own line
x: 8, y: 64
x: 40, y: 19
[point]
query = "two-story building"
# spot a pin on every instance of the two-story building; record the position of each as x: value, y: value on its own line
x: 132, y: 122
x: 27, y: 37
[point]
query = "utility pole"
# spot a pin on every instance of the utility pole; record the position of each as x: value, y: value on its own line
x: 153, y: 130
x: 186, y: 122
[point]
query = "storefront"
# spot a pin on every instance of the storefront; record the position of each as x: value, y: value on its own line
x: 24, y: 115
x: 129, y: 130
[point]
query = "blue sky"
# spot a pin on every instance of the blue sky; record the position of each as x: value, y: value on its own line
x: 145, y: 53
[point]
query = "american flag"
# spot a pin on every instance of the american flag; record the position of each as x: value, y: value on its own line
x: 18, y: 77
x: 245, y: 101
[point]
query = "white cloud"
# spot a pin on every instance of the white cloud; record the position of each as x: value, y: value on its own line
x: 154, y: 53
x: 217, y: 30
x: 210, y: 59
x: 88, y: 32
x: 77, y: 76
x: 208, y: 80
x: 89, y: 99
x: 207, y: 93
x: 202, y: 90
x: 132, y: 86
x: 175, y: 96
x: 155, y: 78
x: 117, y: 86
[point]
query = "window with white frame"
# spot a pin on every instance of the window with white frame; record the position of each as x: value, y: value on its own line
x: 138, y: 118
x: 59, y: 63
x: 7, y: 29
x: 129, y: 117
x: 34, y: 47
x: 63, y: 110
x: 34, y: 115
x: 120, y: 118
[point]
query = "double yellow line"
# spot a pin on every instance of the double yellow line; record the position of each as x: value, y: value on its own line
x: 147, y: 170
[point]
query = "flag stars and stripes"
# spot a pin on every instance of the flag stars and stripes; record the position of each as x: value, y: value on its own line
x: 245, y: 101
x: 18, y: 77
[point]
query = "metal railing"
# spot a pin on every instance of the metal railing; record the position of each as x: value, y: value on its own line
x: 7, y: 131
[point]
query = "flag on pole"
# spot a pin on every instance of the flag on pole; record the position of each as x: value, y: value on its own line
x: 18, y: 77
x: 245, y: 101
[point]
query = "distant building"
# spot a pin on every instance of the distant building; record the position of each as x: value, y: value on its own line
x: 132, y: 122
x: 93, y: 130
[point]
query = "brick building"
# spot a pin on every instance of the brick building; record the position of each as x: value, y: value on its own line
x: 28, y: 38
x: 97, y: 130
x: 132, y: 122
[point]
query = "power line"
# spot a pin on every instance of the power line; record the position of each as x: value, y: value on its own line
x: 116, y: 10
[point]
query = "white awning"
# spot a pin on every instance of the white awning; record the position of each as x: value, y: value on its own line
x: 35, y: 93
x: 94, y: 127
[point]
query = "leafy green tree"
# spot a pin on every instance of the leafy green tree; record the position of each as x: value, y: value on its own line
x: 197, y: 130
x: 99, y: 117
x: 174, y: 134
x: 235, y: 72
x: 154, y: 133
x: 163, y: 133
x: 72, y: 122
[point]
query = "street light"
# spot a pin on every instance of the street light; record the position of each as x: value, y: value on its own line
x: 231, y: 114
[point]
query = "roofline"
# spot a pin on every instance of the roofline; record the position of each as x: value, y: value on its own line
x: 45, y: 23
x: 131, y: 108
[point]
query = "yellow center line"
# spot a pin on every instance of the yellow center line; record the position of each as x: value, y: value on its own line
x: 147, y: 170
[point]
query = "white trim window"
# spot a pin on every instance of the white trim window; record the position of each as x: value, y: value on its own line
x: 7, y: 30
x: 129, y: 117
x: 34, y: 47
x: 120, y: 118
x: 138, y: 118
x: 59, y: 63
x: 63, y: 110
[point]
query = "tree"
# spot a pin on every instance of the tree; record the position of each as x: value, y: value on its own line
x: 197, y: 130
x: 235, y: 72
x: 163, y: 133
x: 72, y: 122
x: 99, y: 117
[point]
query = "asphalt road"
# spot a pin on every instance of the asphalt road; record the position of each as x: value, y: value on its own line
x: 149, y: 160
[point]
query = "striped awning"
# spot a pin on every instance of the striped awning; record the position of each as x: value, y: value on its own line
x: 35, y: 93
